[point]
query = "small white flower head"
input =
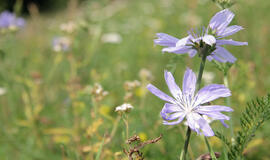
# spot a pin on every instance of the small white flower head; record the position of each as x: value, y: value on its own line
x: 126, y: 107
x: 2, y: 91
x: 111, y: 38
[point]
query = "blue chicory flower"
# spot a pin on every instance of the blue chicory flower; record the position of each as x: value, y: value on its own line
x: 217, y: 29
x: 190, y: 105
x: 9, y: 20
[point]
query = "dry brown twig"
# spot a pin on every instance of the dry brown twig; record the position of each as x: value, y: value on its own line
x: 136, y: 148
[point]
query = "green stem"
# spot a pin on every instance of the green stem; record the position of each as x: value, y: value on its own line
x: 198, y: 87
x: 199, y: 79
x: 228, y: 102
x: 126, y: 124
x: 184, y: 152
x: 212, y: 153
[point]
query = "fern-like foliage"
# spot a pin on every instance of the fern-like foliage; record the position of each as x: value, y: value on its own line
x: 252, y: 118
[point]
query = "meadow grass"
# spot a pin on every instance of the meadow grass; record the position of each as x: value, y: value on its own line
x: 47, y: 110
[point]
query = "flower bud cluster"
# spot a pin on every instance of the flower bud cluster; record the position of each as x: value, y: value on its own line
x: 98, y: 92
x: 124, y: 108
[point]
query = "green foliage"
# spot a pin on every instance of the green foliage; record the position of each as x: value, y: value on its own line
x: 223, y: 67
x: 252, y: 118
x: 223, y: 4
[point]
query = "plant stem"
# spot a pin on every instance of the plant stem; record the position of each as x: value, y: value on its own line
x: 184, y: 152
x: 228, y: 102
x: 198, y: 87
x: 212, y: 153
x: 126, y: 124
x: 199, y: 79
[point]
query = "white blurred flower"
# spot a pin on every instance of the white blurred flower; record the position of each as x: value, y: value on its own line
x: 145, y: 74
x: 68, y: 27
x: 2, y: 91
x: 208, y: 77
x: 131, y: 85
x: 124, y: 108
x: 111, y: 38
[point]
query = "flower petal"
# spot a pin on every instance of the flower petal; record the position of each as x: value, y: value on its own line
x: 230, y: 42
x: 224, y: 124
x: 229, y: 31
x: 210, y: 93
x: 177, y: 50
x: 192, y: 121
x: 173, y: 87
x: 221, y: 20
x: 159, y: 93
x: 214, y: 108
x: 173, y: 116
x: 165, y: 40
x: 223, y: 55
x: 210, y: 58
x: 209, y: 39
x: 197, y: 123
x: 183, y: 41
x: 192, y: 52
x: 215, y: 115
x: 205, y: 127
x: 180, y: 119
x: 189, y: 82
x: 170, y: 108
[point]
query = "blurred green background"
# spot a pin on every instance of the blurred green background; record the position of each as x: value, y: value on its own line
x: 47, y: 110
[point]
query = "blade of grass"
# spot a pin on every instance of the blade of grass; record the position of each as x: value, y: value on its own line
x: 100, y: 149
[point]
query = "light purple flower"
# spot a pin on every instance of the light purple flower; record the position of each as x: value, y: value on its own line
x: 61, y: 44
x: 9, y: 20
x: 217, y: 29
x: 187, y: 104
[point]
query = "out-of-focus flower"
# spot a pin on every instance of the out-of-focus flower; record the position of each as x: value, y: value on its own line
x: 9, y: 20
x: 131, y: 85
x: 208, y: 77
x: 210, y: 39
x: 98, y: 92
x: 68, y: 27
x: 61, y: 44
x: 145, y: 74
x: 2, y: 91
x: 190, y: 105
x: 143, y: 136
x: 126, y: 107
x: 111, y: 38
